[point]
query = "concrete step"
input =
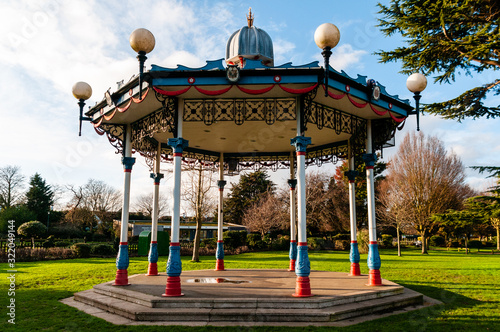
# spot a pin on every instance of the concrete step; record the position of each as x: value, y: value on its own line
x: 141, y: 311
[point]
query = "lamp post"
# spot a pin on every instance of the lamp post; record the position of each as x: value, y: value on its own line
x: 327, y: 36
x: 82, y: 91
x: 416, y: 83
x: 48, y: 217
x: 142, y: 41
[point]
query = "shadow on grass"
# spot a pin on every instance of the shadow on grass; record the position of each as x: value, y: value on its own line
x: 443, y: 317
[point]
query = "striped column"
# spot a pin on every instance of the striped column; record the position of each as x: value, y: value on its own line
x: 302, y: 265
x: 373, y: 255
x: 219, y: 255
x: 292, y: 183
x: 122, y: 260
x: 174, y: 265
x: 354, y: 253
x: 153, y: 248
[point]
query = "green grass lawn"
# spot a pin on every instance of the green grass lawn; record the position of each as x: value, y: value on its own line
x: 468, y: 285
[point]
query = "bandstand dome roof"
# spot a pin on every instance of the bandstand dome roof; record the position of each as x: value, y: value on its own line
x: 250, y: 119
x: 250, y: 42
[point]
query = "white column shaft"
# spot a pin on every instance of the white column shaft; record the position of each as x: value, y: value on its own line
x: 370, y: 187
x: 293, y: 218
x: 156, y: 198
x: 176, y: 210
x: 301, y: 197
x: 352, y: 210
x: 126, y: 188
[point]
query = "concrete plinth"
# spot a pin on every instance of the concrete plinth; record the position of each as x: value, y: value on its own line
x: 264, y: 298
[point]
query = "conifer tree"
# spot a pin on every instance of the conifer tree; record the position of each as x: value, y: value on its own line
x: 40, y: 197
x: 446, y: 38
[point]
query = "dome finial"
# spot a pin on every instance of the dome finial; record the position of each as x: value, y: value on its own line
x: 250, y: 17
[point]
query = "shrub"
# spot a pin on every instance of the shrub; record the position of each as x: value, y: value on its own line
x: 97, y: 237
x: 454, y: 244
x: 234, y: 239
x: 62, y: 244
x: 208, y: 243
x: 281, y: 243
x: 475, y: 244
x: 103, y: 250
x: 66, y: 231
x: 363, y: 241
x: 346, y: 237
x: 60, y: 253
x: 32, y: 229
x: 252, y: 239
x: 387, y: 240
x: 48, y: 244
x: 342, y: 244
x: 82, y: 250
x: 437, y: 241
x: 315, y: 243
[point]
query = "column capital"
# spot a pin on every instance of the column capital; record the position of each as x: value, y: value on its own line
x: 292, y: 183
x: 178, y: 144
x: 300, y: 143
x: 370, y: 159
x: 128, y: 162
x: 156, y: 177
x: 351, y: 175
x: 221, y: 184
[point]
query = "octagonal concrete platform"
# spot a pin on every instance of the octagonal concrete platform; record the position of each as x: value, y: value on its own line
x: 264, y: 297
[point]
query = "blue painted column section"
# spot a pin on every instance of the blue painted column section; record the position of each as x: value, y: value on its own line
x: 220, y: 251
x: 302, y: 265
x: 174, y: 265
x: 374, y: 262
x: 153, y: 253
x: 122, y: 261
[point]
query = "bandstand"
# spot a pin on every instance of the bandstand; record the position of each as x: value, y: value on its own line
x: 246, y: 113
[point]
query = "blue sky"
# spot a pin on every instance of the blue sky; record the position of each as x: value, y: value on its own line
x: 49, y: 45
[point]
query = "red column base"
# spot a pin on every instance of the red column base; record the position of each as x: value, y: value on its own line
x: 219, y: 265
x: 152, y: 269
x: 355, y: 271
x: 121, y: 278
x: 173, y: 287
x: 302, y: 287
x: 374, y: 278
x: 292, y: 266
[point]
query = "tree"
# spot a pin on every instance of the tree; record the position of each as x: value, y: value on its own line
x: 198, y: 195
x: 19, y: 213
x: 489, y: 205
x: 267, y: 214
x: 247, y: 191
x: 428, y: 180
x: 93, y: 205
x: 144, y: 204
x: 11, y: 186
x: 446, y: 37
x: 40, y: 197
x: 32, y: 229
x: 391, y: 209
x: 460, y: 222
